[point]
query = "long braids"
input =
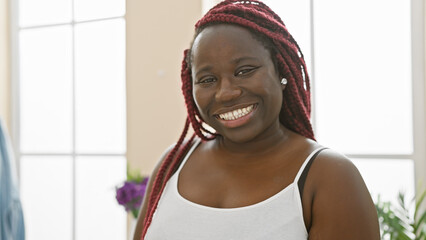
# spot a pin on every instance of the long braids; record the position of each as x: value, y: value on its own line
x: 296, y: 106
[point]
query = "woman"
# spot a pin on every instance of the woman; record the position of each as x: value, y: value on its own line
x: 245, y: 76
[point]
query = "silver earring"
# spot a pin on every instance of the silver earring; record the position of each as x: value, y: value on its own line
x: 283, y: 81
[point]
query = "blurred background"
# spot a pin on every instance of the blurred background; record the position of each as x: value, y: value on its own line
x: 91, y: 87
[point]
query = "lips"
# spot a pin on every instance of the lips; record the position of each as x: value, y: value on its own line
x: 237, y: 113
x: 236, y: 117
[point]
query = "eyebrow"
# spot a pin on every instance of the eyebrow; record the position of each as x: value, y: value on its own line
x: 204, y: 69
x: 244, y: 58
x: 234, y: 61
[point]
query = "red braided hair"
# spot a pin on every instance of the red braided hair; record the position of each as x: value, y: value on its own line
x: 267, y: 27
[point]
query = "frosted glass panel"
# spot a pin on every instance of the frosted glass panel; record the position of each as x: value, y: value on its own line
x: 98, y: 215
x: 296, y: 17
x: 100, y: 87
x: 40, y: 12
x: 92, y: 9
x: 363, y: 76
x: 46, y: 192
x: 46, y: 89
x: 387, y: 177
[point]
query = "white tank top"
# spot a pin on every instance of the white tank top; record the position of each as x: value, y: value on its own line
x: 278, y: 217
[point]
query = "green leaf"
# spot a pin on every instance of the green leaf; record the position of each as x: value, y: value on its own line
x: 421, y: 236
x: 135, y: 213
x: 134, y: 175
x: 418, y: 203
x: 396, y: 222
x: 401, y: 200
x: 420, y: 221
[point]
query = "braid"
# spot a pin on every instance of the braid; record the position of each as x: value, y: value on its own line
x: 193, y: 113
x: 165, y: 171
x: 266, y: 26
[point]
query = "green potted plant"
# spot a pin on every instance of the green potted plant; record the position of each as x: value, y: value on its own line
x: 398, y: 223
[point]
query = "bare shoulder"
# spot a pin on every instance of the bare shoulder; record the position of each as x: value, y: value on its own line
x: 333, y: 165
x: 335, y: 174
x: 341, y: 204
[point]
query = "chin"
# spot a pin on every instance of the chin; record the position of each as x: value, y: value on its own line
x: 239, y: 137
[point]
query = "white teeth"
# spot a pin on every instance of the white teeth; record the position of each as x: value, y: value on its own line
x: 232, y: 115
x: 235, y: 112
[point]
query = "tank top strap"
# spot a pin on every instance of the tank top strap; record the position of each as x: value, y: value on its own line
x: 306, y: 164
x: 193, y: 147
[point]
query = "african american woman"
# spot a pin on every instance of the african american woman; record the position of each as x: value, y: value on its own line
x: 259, y: 174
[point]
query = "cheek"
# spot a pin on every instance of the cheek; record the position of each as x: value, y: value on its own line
x: 201, y: 99
x: 268, y: 86
x: 272, y: 91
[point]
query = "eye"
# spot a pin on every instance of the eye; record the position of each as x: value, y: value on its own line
x: 245, y: 71
x: 206, y: 80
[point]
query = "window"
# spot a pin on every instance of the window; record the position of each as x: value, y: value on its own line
x: 362, y: 69
x: 70, y: 118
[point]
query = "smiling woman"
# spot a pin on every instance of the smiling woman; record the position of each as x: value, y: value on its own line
x: 245, y: 76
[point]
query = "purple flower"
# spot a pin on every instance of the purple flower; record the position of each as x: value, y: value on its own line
x: 131, y: 194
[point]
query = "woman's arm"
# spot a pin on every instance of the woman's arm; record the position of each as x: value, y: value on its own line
x: 342, y: 207
x: 143, y: 209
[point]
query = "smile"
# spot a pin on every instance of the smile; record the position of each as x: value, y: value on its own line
x: 236, y: 114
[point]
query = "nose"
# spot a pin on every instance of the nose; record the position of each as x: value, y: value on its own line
x: 227, y: 90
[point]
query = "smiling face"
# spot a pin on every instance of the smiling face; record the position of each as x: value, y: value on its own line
x: 236, y: 86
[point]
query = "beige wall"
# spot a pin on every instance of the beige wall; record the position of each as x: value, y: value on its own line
x: 5, y: 113
x: 157, y: 34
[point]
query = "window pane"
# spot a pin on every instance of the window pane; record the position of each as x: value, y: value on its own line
x: 98, y: 215
x: 46, y: 93
x: 296, y: 16
x: 100, y: 87
x: 40, y: 12
x: 92, y: 9
x: 363, y: 76
x: 387, y: 177
x: 46, y: 190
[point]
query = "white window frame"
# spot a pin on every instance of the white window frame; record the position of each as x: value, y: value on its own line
x: 418, y: 96
x: 15, y: 97
x: 419, y: 88
x: 418, y: 156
